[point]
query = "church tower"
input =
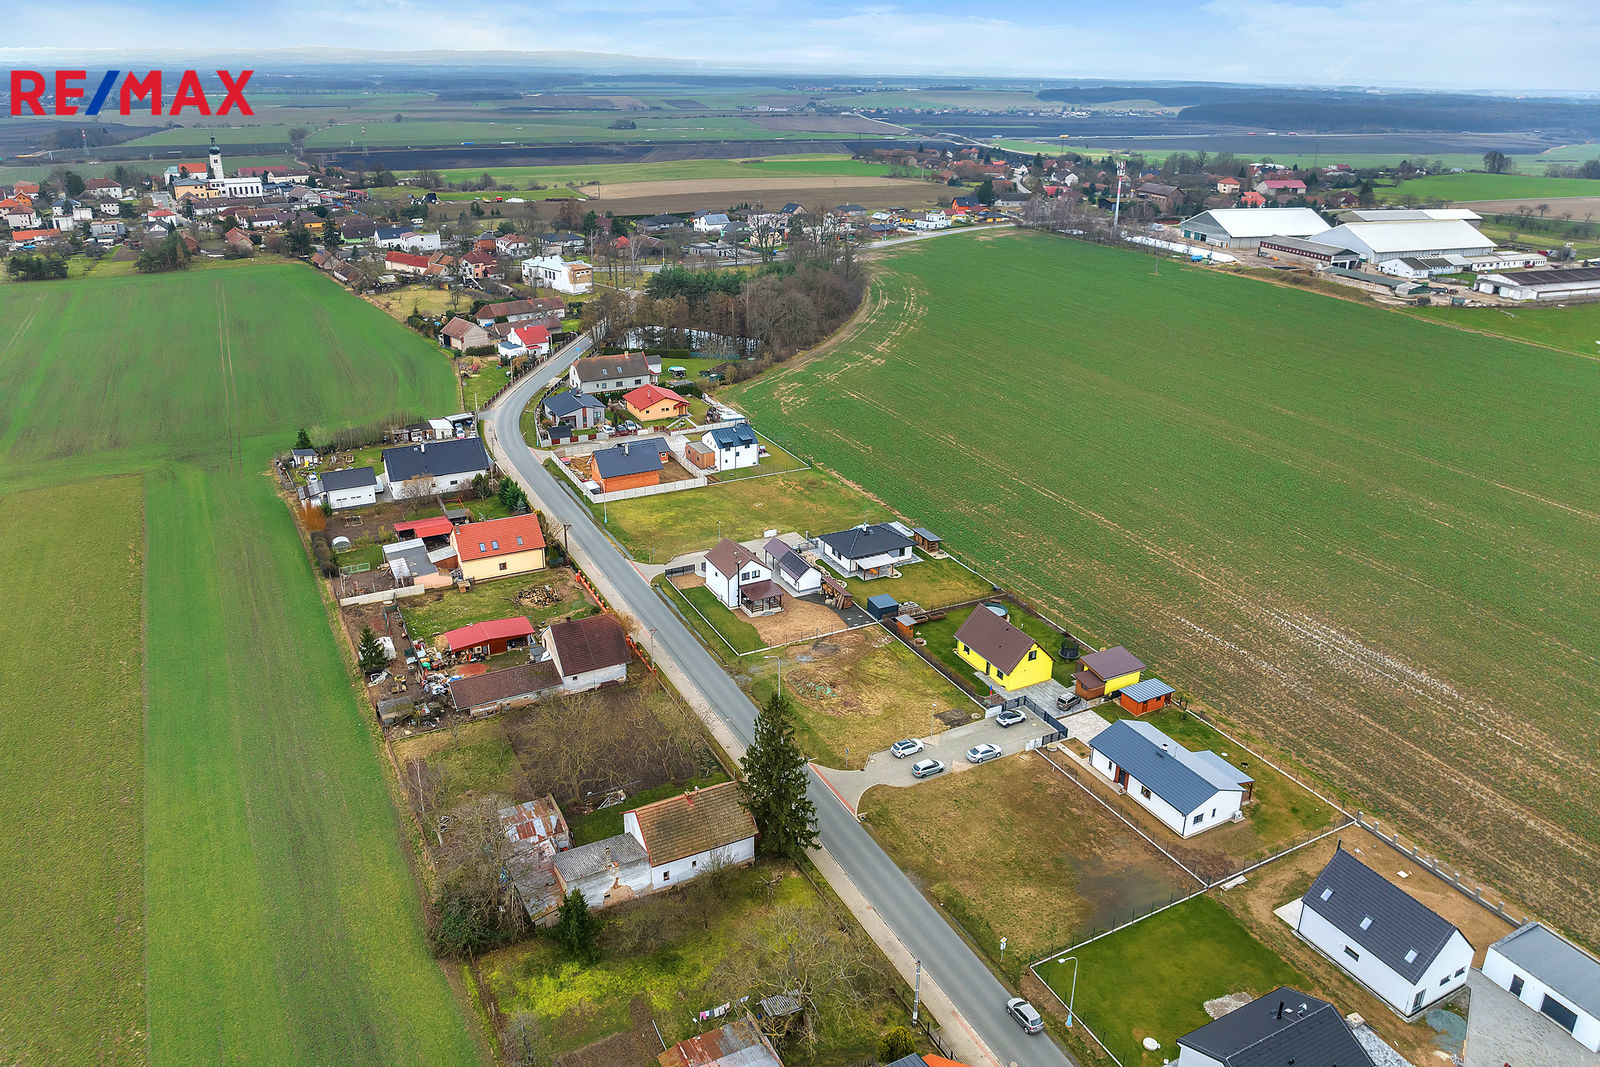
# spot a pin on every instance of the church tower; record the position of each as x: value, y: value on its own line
x: 214, y: 162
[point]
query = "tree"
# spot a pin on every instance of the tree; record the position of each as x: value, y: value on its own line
x: 896, y: 1044
x: 1496, y: 161
x: 370, y: 655
x: 985, y: 191
x: 298, y: 242
x: 72, y: 183
x: 775, y: 779
x: 578, y: 928
x: 331, y: 235
x: 512, y: 496
x: 298, y: 135
x: 303, y: 439
x: 399, y: 117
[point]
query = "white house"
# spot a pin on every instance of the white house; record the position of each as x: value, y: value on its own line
x: 790, y: 570
x: 1190, y: 792
x: 687, y: 835
x: 553, y: 272
x: 870, y: 550
x: 739, y: 580
x: 1404, y: 952
x: 1551, y: 975
x: 711, y: 222
x: 1285, y: 1026
x: 604, y: 872
x: 351, y: 488
x: 733, y: 447
x: 933, y: 220
x: 434, y: 467
x: 405, y: 239
x: 588, y: 653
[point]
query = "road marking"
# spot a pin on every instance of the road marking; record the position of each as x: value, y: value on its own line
x: 840, y: 796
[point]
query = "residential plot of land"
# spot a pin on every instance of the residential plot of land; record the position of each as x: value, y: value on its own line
x: 72, y: 787
x: 1336, y: 544
x: 638, y: 198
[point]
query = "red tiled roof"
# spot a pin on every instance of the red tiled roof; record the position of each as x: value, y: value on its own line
x: 407, y: 258
x: 647, y: 396
x: 532, y: 335
x: 497, y: 537
x: 584, y: 645
x: 437, y: 526
x: 481, y: 633
x: 692, y: 823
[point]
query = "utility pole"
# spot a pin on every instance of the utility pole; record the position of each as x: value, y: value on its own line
x: 916, y: 994
x: 1116, y: 211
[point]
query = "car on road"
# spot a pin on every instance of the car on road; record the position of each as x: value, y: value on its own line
x: 1011, y: 717
x: 1026, y: 1017
x: 909, y: 747
x: 983, y: 753
x: 927, y: 768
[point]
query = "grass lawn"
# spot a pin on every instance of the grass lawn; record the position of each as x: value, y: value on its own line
x: 673, y: 170
x: 1153, y: 979
x: 1574, y: 329
x: 607, y: 822
x: 490, y: 379
x: 858, y: 693
x: 666, y: 949
x: 280, y: 920
x: 1332, y: 544
x: 433, y: 613
x: 733, y: 628
x: 674, y: 523
x: 941, y: 638
x: 931, y: 583
x: 1036, y: 860
x: 72, y: 786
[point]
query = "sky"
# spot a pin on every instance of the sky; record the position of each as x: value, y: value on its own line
x: 1529, y: 46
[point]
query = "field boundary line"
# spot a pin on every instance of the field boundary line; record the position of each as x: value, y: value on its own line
x: 1072, y: 1014
x: 1098, y: 800
x: 814, y: 637
x: 1203, y: 717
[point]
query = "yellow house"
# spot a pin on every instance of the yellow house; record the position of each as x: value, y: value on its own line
x: 499, y: 548
x: 649, y: 403
x: 1001, y: 651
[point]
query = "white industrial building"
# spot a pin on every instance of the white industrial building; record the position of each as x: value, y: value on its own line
x: 1552, y: 976
x: 1401, y: 235
x: 1390, y: 942
x: 1244, y: 227
x: 1570, y: 283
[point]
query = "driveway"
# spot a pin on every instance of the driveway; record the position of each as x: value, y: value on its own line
x: 1503, y: 1030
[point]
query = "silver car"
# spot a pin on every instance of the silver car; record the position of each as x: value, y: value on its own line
x: 909, y: 747
x: 1026, y: 1016
x: 927, y: 768
x: 983, y: 753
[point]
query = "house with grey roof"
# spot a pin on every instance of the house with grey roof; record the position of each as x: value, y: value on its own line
x: 1552, y: 976
x: 1408, y: 955
x: 351, y: 488
x: 1285, y: 1026
x: 605, y: 872
x: 871, y: 550
x: 726, y: 448
x: 790, y: 570
x: 434, y: 466
x: 1189, y: 792
x: 573, y: 410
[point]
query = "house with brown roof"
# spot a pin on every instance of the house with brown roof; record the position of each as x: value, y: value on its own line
x: 687, y: 835
x: 739, y: 579
x: 1103, y: 673
x: 460, y: 334
x: 588, y: 653
x: 611, y: 374
x: 484, y: 694
x: 1006, y: 656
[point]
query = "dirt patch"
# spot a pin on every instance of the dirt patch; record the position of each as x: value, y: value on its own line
x: 637, y: 1047
x: 798, y: 620
x: 689, y: 194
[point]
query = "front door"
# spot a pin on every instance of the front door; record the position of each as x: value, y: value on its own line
x: 1122, y: 777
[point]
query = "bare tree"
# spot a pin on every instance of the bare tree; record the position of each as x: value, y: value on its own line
x: 525, y: 1041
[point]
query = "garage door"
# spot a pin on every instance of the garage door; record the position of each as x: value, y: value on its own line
x: 1559, y: 1012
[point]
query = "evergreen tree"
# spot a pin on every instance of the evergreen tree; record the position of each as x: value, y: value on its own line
x: 577, y: 927
x: 985, y: 191
x: 369, y: 653
x: 303, y: 440
x: 775, y: 779
x: 896, y: 1044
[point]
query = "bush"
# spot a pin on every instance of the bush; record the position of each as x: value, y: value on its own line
x: 458, y: 928
x: 322, y: 552
x: 480, y: 351
x: 896, y: 1044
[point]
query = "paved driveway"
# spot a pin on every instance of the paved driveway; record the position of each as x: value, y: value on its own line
x: 1503, y: 1030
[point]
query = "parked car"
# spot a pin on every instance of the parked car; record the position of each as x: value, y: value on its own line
x: 909, y: 747
x: 1069, y: 702
x: 1011, y: 717
x: 1026, y: 1017
x: 927, y: 768
x: 983, y: 753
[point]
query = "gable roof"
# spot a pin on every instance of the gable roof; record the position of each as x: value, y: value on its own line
x: 995, y: 639
x: 505, y: 308
x: 352, y: 478
x: 787, y: 559
x: 1285, y: 1026
x: 583, y: 645
x: 1398, y: 925
x: 1186, y: 780
x: 1410, y: 236
x: 1148, y: 689
x: 1568, y: 970
x: 458, y: 328
x: 531, y: 333
x: 729, y: 557
x: 497, y: 537
x: 527, y: 679
x: 734, y: 436
x: 435, y: 458
x: 866, y: 540
x: 1245, y: 223
x: 406, y: 258
x: 692, y: 823
x: 629, y: 458
x: 1111, y: 662
x: 604, y: 368
x: 481, y: 633
x: 568, y: 401
x: 648, y: 396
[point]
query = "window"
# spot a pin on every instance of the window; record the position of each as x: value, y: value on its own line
x: 1366, y: 922
x: 1033, y: 654
x: 1445, y: 980
x: 1559, y: 1012
x: 1326, y: 893
x: 1352, y: 953
x: 1411, y: 956
x: 1416, y: 1001
x: 666, y: 876
x: 1461, y: 972
x: 502, y: 564
x: 1516, y: 985
x: 1144, y: 791
x: 1199, y: 817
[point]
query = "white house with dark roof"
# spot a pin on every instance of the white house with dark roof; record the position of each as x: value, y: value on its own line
x: 732, y: 447
x: 351, y: 488
x: 434, y: 466
x: 1190, y: 792
x: 871, y: 550
x: 1552, y: 976
x: 790, y: 570
x: 1403, y: 951
x: 1284, y: 1027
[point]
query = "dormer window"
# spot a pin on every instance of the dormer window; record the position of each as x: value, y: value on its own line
x: 1366, y: 922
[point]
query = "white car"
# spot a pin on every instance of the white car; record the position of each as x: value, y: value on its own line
x: 983, y: 753
x: 1011, y: 717
x: 909, y: 747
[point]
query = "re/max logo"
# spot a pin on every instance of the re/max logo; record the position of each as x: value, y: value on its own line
x: 28, y: 88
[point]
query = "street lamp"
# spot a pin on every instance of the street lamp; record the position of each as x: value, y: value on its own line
x: 1073, y: 994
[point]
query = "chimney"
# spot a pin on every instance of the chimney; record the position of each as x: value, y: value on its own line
x: 1280, y: 1003
x: 1165, y: 748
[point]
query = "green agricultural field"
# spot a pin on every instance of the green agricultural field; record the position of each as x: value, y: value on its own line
x: 675, y: 170
x: 1492, y: 187
x: 1574, y: 329
x: 1331, y: 522
x: 272, y: 914
x: 1153, y: 979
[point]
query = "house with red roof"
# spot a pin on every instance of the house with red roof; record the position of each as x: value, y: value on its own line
x: 650, y: 403
x: 1281, y: 187
x: 406, y: 263
x: 499, y: 548
x: 487, y: 638
x: 1251, y: 198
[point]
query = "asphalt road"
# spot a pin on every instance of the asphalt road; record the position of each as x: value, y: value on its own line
x: 946, y: 958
